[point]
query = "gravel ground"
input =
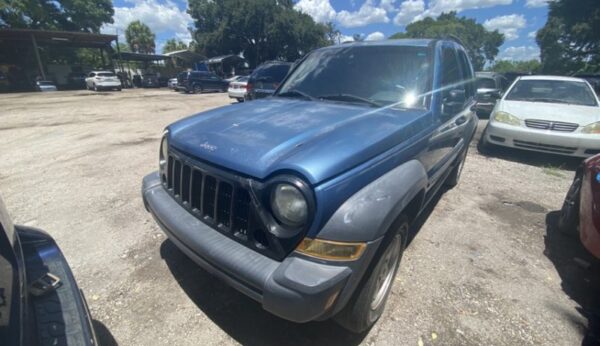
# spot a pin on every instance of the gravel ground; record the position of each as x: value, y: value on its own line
x: 485, y: 265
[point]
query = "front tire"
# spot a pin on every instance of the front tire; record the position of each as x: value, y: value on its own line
x: 368, y: 302
x: 96, y: 88
x: 198, y: 89
x: 568, y: 220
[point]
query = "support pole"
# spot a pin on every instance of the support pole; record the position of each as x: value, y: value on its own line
x: 37, y: 57
x: 102, y: 57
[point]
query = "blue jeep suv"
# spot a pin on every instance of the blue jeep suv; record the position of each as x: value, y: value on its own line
x: 303, y: 200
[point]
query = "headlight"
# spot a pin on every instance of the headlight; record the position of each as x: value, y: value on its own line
x: 592, y: 128
x: 164, y: 151
x: 289, y: 205
x: 331, y: 250
x: 506, y: 118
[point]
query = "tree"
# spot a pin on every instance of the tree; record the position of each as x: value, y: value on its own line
x: 140, y: 38
x: 570, y: 40
x: 481, y: 44
x: 260, y: 29
x: 69, y: 15
x: 173, y: 45
x: 503, y: 66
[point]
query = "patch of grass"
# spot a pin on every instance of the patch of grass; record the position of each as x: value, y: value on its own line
x: 553, y: 171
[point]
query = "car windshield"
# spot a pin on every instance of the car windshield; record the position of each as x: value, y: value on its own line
x: 486, y: 83
x: 377, y: 75
x: 106, y: 74
x: 552, y: 91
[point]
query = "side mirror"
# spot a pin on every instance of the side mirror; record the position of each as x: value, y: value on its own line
x: 453, y: 102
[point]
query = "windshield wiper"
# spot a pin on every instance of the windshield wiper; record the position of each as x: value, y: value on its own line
x: 296, y: 93
x: 349, y: 97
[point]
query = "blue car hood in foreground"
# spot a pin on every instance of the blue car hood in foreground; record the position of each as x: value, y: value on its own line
x: 316, y: 139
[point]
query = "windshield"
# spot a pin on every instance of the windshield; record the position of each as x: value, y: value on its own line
x: 106, y: 74
x: 382, y: 75
x: 552, y: 91
x: 486, y: 83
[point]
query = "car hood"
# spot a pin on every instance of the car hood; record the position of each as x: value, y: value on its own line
x: 316, y: 139
x: 582, y: 115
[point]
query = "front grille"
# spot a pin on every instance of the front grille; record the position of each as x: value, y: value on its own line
x: 551, y: 125
x: 546, y: 147
x: 223, y: 204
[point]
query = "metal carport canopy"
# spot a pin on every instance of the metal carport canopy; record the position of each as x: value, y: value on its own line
x: 66, y: 38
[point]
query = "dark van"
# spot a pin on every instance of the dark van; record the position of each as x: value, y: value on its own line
x: 266, y: 78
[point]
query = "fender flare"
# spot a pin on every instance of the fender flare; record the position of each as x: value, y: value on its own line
x: 369, y: 213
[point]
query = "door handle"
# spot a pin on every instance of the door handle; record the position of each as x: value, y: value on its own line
x: 461, y: 120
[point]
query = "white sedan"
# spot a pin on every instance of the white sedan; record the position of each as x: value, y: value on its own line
x: 238, y: 88
x: 559, y: 115
x: 98, y: 80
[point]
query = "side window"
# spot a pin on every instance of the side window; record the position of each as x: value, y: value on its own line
x: 451, y: 76
x: 467, y: 74
x: 92, y: 74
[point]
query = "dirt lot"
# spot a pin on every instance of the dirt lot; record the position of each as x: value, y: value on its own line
x: 485, y: 265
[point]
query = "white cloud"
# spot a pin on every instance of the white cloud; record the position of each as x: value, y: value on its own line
x: 532, y: 34
x: 375, y: 36
x: 161, y: 17
x: 409, y: 10
x: 320, y: 10
x: 508, y: 25
x: 366, y: 14
x: 536, y: 3
x: 519, y: 53
x: 388, y: 5
x: 436, y: 7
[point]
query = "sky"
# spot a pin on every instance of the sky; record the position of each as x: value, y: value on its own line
x: 518, y: 20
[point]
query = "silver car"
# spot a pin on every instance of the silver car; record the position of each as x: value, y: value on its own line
x: 550, y: 114
x: 238, y: 89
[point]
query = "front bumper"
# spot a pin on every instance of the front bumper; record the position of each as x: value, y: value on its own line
x: 563, y: 143
x: 298, y: 289
x: 60, y: 316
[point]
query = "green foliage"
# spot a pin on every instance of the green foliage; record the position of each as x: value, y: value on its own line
x: 570, y: 40
x: 481, y: 44
x: 69, y: 15
x: 503, y: 66
x: 173, y: 45
x: 140, y: 38
x: 261, y: 29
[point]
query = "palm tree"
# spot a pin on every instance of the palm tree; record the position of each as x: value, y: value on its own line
x: 140, y: 38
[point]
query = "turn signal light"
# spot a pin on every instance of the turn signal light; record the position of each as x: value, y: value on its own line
x: 331, y: 250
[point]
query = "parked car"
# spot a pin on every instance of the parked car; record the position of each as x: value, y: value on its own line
x: 234, y: 78
x: 199, y: 81
x: 172, y: 84
x: 237, y: 89
x: 45, y: 85
x: 303, y: 200
x: 102, y: 80
x: 76, y: 80
x: 489, y: 89
x: 581, y: 210
x: 40, y: 303
x: 559, y: 115
x: 150, y: 80
x: 266, y: 78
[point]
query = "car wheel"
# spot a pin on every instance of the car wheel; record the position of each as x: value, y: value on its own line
x: 368, y: 302
x: 119, y: 89
x: 239, y: 99
x: 198, y: 89
x: 569, y: 213
x: 454, y: 176
x: 96, y: 88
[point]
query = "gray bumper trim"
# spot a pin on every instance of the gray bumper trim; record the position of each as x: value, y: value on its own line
x: 296, y: 289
